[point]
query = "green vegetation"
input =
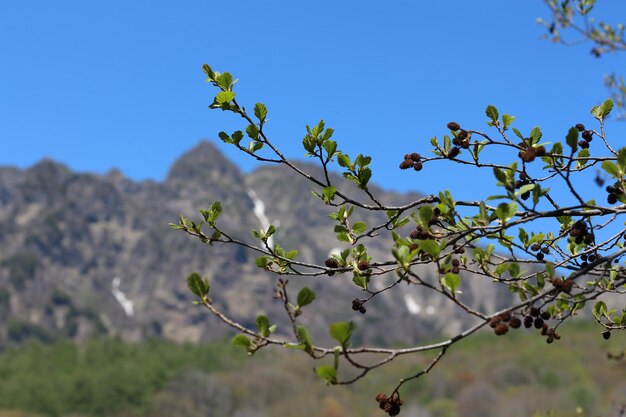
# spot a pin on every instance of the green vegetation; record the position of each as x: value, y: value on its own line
x: 519, y: 375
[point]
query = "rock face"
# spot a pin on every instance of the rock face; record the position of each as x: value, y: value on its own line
x: 83, y: 254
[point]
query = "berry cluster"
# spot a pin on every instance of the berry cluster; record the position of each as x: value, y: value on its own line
x: 502, y: 322
x: 529, y: 153
x: 562, y: 285
x: 541, y: 251
x: 523, y: 180
x: 581, y: 234
x: 537, y: 319
x: 614, y: 194
x: 584, y: 258
x: 455, y: 266
x: 419, y: 233
x: 412, y: 160
x: 587, y: 136
x: 391, y: 405
x: 357, y: 305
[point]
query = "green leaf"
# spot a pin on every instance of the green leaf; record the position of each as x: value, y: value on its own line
x: 305, y: 297
x: 225, y: 138
x: 224, y: 97
x: 518, y: 133
x: 426, y: 215
x: 224, y: 81
x: 505, y: 211
x: 500, y: 176
x: 198, y: 286
x: 359, y: 227
x: 364, y: 176
x: 237, y: 136
x: 603, y: 110
x: 507, y: 120
x: 242, y: 341
x: 612, y: 169
x: 253, y: 131
x: 430, y: 247
x: 361, y: 280
x: 304, y: 339
x: 263, y: 325
x: 341, y: 331
x: 583, y: 155
x: 572, y: 139
x: 535, y: 135
x: 209, y: 72
x: 344, y: 160
x: 451, y: 281
x: 621, y: 159
x: 327, y: 373
x: 492, y: 113
x: 260, y: 111
x: 329, y: 193
x: 525, y: 188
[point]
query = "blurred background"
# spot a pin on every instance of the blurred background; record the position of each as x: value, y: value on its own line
x: 105, y: 137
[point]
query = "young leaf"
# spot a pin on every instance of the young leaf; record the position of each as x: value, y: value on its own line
x: 572, y: 138
x: 304, y: 339
x: 242, y: 341
x: 451, y: 281
x: 341, y: 331
x: 263, y: 325
x: 198, y: 286
x: 492, y: 113
x: 359, y: 227
x: 305, y: 297
x: 260, y: 111
x: 327, y: 373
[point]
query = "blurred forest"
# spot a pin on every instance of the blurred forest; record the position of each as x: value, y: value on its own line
x: 516, y: 375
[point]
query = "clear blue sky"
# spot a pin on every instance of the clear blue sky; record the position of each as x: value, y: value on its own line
x: 98, y: 85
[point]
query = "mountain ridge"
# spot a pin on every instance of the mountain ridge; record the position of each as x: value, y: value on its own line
x: 74, y: 246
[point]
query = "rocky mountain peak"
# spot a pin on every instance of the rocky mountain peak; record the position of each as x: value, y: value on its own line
x: 201, y: 163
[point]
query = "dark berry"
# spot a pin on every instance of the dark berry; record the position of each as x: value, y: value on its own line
x: 357, y: 304
x: 506, y: 316
x: 362, y: 310
x: 454, y: 126
x: 363, y: 265
x: 583, y: 144
x: 501, y: 329
x: 406, y: 164
x: 525, y: 196
x: 415, y: 157
x: 612, y: 198
x: 538, y: 323
x: 580, y: 127
x: 534, y: 311
x: 545, y: 250
x: 540, y: 150
x: 453, y: 152
x: 455, y: 262
x: 535, y: 247
x: 515, y: 322
x: 545, y: 315
x: 528, y: 322
x: 418, y: 166
x: 462, y: 135
x: 606, y: 335
x: 587, y: 135
x: 332, y: 263
x: 540, y: 256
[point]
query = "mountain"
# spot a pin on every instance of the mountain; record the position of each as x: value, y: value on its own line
x: 84, y: 254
